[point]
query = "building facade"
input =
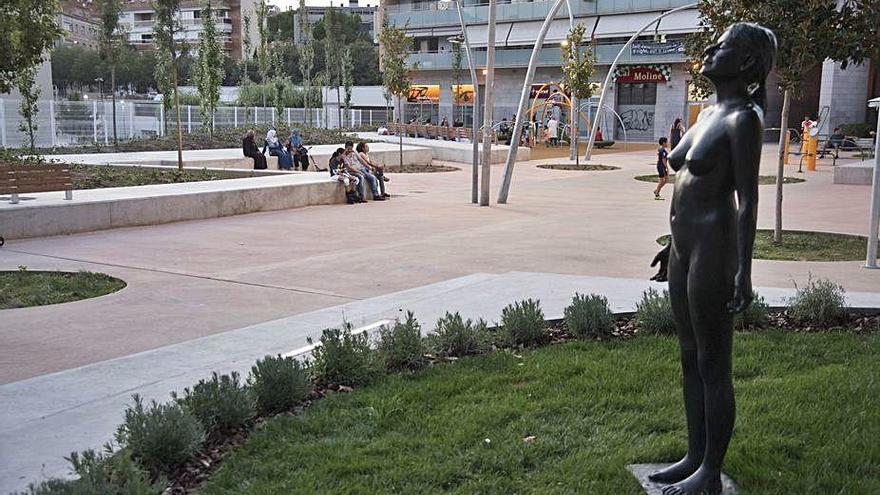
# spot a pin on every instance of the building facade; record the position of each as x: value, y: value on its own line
x: 366, y: 13
x: 81, y: 24
x: 651, y: 86
x: 138, y: 20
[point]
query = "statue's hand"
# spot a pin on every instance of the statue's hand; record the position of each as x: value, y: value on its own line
x: 663, y: 259
x: 742, y: 295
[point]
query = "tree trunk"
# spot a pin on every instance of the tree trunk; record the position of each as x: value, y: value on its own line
x: 400, y: 134
x: 488, y: 100
x: 780, y: 166
x: 113, y: 93
x: 179, y: 130
x: 577, y: 155
x: 572, y: 149
x: 338, y: 109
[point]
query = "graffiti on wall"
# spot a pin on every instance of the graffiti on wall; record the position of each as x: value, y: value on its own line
x: 637, y: 119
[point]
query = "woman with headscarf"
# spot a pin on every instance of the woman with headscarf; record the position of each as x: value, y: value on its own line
x: 276, y: 149
x: 299, y: 152
x: 249, y: 149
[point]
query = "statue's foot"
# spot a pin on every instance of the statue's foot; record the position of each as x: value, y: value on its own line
x: 702, y: 482
x: 676, y: 472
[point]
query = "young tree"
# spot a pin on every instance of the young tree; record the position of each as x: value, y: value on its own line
x: 577, y: 69
x: 26, y: 85
x: 110, y: 47
x: 306, y: 52
x: 347, y: 79
x: 209, y: 69
x: 165, y: 31
x: 247, y: 52
x: 27, y: 30
x: 279, y: 81
x: 333, y: 51
x: 807, y: 31
x: 262, y: 45
x: 162, y: 74
x: 396, y: 75
x: 456, y: 77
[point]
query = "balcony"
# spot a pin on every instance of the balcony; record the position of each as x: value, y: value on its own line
x: 428, y: 15
x: 547, y: 57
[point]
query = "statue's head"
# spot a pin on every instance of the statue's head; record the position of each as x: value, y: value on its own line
x: 745, y: 51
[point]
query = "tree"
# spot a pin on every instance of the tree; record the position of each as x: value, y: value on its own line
x: 262, y: 43
x: 333, y: 51
x: 25, y: 83
x: 247, y: 53
x: 165, y: 31
x: 577, y: 69
x: 306, y: 52
x: 110, y: 45
x: 396, y: 74
x: 808, y: 32
x: 27, y: 30
x: 280, y: 26
x: 209, y: 69
x: 456, y: 77
x: 279, y: 81
x: 347, y: 79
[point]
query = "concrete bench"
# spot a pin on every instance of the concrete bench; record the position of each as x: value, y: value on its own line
x: 44, y: 177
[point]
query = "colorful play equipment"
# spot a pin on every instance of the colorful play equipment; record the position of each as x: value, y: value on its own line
x: 559, y: 99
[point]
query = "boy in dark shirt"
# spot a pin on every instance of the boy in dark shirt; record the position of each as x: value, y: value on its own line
x: 662, y: 166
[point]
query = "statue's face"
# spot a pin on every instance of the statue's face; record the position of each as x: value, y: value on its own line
x: 722, y: 59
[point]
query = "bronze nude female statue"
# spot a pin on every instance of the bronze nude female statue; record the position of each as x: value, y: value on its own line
x: 713, y: 216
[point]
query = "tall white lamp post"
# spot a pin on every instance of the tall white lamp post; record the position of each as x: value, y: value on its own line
x: 874, y: 226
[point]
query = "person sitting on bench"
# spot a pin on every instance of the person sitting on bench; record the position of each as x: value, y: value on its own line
x: 249, y: 148
x: 300, y: 153
x: 277, y: 149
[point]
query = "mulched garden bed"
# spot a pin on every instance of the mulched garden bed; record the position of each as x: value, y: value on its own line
x: 189, y: 478
x: 103, y: 176
x: 577, y: 168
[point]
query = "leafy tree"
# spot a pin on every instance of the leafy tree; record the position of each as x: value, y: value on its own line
x: 456, y: 76
x: 279, y: 81
x: 808, y: 32
x: 577, y: 69
x: 396, y: 75
x: 209, y: 70
x: 165, y: 31
x: 110, y: 45
x: 27, y: 30
x: 280, y: 26
x: 247, y: 52
x: 347, y: 79
x: 306, y: 53
x: 262, y: 42
x: 26, y: 85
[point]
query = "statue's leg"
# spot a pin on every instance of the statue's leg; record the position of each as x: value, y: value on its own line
x: 710, y: 288
x: 692, y: 383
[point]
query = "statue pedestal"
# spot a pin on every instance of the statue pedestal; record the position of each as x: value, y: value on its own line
x: 641, y: 472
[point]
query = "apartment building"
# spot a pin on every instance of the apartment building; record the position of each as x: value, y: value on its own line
x: 80, y: 22
x: 138, y: 19
x: 366, y: 13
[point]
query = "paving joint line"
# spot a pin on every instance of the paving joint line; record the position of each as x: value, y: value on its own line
x: 192, y: 275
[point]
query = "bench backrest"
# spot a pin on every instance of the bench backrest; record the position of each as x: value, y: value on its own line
x: 45, y: 177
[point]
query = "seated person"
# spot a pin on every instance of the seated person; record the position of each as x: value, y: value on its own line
x: 277, y: 149
x: 340, y: 175
x: 249, y: 148
x: 354, y: 167
x: 299, y: 152
x: 363, y: 154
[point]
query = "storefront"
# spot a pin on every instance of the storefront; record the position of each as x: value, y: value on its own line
x: 423, y: 104
x: 462, y: 105
x: 637, y: 99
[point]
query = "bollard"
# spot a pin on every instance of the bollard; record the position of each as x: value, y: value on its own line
x: 785, y: 150
x: 810, y: 158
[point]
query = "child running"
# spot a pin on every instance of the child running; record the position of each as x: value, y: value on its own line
x: 662, y: 166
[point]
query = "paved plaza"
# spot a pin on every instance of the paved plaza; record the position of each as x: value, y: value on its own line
x: 216, y: 294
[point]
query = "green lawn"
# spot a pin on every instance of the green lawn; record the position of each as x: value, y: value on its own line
x: 808, y: 423
x: 805, y: 246
x: 23, y: 288
x: 763, y: 180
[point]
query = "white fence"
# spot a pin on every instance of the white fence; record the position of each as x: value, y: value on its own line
x: 66, y: 123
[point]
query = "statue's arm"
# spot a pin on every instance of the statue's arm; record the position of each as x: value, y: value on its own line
x: 745, y: 139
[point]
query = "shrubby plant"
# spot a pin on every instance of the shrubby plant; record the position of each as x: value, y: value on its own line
x: 278, y: 384
x: 756, y: 316
x: 344, y: 358
x: 589, y: 316
x: 456, y: 337
x: 522, y: 323
x: 654, y: 313
x: 159, y: 436
x: 105, y: 473
x: 820, y: 303
x: 222, y: 403
x: 401, y: 347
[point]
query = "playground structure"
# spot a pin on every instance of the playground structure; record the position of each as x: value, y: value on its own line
x: 555, y: 99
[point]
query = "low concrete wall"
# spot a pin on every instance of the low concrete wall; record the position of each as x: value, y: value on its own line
x: 452, y: 151
x: 860, y: 174
x: 411, y: 156
x: 90, y: 210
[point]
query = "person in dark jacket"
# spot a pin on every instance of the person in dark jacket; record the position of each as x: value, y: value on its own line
x: 250, y: 150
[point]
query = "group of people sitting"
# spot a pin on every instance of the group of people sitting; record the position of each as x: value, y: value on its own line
x: 352, y: 167
x: 291, y: 154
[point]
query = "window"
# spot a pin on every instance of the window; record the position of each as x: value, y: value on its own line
x: 637, y: 94
x: 197, y: 14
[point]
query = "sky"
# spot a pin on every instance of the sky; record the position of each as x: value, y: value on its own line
x: 293, y: 4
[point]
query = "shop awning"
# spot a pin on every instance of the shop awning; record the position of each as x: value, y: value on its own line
x: 478, y: 36
x: 685, y: 21
x: 622, y: 25
x: 525, y: 33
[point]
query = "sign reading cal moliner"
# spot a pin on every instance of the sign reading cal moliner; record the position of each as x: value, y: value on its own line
x: 642, y: 75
